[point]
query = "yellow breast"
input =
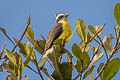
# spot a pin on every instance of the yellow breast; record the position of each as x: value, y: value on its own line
x: 67, y: 32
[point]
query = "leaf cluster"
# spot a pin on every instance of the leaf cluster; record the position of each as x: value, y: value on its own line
x: 13, y: 61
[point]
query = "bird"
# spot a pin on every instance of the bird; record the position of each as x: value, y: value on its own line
x: 61, y: 30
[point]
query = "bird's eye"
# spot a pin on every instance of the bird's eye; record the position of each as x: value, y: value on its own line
x: 59, y: 18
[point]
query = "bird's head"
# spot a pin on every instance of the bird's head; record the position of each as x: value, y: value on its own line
x: 61, y: 17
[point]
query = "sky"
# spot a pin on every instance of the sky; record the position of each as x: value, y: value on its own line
x: 14, y: 14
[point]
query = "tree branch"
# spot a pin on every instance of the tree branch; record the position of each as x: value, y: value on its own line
x: 116, y: 47
x: 39, y: 70
x: 20, y: 38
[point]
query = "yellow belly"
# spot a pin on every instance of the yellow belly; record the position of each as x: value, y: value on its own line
x: 67, y: 32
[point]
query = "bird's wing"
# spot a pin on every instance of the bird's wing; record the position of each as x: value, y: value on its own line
x: 53, y: 35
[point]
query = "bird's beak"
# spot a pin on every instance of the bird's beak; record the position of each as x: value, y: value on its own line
x: 66, y: 15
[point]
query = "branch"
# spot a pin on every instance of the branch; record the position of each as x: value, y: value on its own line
x: 39, y: 70
x: 31, y: 69
x: 116, y: 47
x: 80, y: 73
x: 5, y: 33
x: 95, y: 52
x: 28, y: 23
x: 103, y: 47
x: 113, y: 51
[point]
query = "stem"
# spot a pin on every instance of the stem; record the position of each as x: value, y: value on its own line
x: 32, y: 69
x: 116, y: 47
x: 80, y: 73
x: 113, y: 51
x: 103, y: 47
x: 39, y: 70
x: 20, y: 38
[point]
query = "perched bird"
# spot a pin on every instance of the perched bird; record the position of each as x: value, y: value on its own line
x: 61, y: 30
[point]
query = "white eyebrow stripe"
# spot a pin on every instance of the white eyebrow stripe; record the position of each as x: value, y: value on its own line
x: 59, y: 16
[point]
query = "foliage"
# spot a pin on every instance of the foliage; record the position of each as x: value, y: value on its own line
x: 85, y: 64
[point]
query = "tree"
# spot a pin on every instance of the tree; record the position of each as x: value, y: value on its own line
x: 13, y: 63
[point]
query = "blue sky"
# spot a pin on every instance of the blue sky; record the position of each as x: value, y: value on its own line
x: 14, y: 14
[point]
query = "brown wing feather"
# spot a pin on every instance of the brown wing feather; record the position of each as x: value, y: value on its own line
x: 53, y: 34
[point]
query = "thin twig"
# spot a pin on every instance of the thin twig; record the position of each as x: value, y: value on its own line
x: 10, y: 39
x: 94, y: 36
x: 80, y: 73
x: 97, y: 41
x: 5, y: 33
x: 42, y: 37
x: 37, y: 42
x: 113, y: 51
x: 115, y: 48
x: 20, y: 38
x: 28, y: 23
x: 103, y: 47
x: 39, y: 70
x: 51, y: 65
x: 2, y: 50
x: 115, y: 32
x: 31, y: 69
x: 94, y: 54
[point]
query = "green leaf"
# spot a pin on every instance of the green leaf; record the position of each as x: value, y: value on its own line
x: 92, y: 29
x: 65, y: 70
x: 55, y: 14
x: 10, y: 67
x: 82, y: 58
x: 22, y: 47
x: 91, y: 76
x: 98, y: 30
x: 20, y: 68
x: 54, y: 58
x: 88, y: 72
x: 29, y: 51
x: 46, y: 73
x: 28, y: 58
x: 99, y: 68
x: 84, y: 47
x: 117, y: 28
x: 117, y: 13
x: 76, y: 51
x: 107, y: 41
x: 111, y: 69
x: 81, y: 29
x: 29, y: 34
x: 82, y: 64
x: 97, y: 56
x: 11, y: 57
x: 38, y: 45
x: 78, y: 65
x: 69, y: 56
